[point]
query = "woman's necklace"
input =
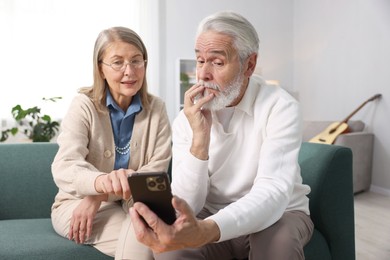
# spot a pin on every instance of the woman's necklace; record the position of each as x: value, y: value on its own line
x: 123, y: 150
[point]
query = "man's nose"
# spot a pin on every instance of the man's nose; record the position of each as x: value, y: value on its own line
x: 205, y: 72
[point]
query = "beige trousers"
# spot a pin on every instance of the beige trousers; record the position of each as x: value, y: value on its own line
x: 112, y: 232
x: 284, y: 240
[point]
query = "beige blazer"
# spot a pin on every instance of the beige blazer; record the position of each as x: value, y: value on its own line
x: 87, y: 149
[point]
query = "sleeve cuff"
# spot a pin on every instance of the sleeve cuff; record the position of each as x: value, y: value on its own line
x: 224, y: 223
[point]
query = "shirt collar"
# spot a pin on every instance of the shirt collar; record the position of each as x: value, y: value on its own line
x: 247, y: 102
x: 134, y: 107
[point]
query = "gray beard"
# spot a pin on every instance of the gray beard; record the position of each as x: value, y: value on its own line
x: 224, y: 98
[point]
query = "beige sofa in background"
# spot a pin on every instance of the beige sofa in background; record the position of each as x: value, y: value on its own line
x: 361, y: 143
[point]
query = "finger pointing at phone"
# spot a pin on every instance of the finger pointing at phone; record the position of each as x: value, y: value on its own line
x: 115, y: 183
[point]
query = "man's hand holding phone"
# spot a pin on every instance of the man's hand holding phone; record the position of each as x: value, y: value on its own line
x: 186, y: 231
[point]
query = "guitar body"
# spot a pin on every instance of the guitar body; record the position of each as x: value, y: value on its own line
x: 329, y: 135
x: 335, y: 129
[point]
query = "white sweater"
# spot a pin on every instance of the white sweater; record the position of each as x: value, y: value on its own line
x: 252, y: 176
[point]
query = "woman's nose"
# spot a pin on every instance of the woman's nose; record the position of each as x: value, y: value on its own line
x: 128, y: 69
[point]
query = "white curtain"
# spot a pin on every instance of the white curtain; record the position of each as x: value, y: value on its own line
x: 146, y: 17
x: 46, y: 47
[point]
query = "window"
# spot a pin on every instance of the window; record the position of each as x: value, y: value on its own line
x: 47, y: 46
x: 186, y: 77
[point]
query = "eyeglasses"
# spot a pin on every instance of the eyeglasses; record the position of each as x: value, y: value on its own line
x: 121, y: 65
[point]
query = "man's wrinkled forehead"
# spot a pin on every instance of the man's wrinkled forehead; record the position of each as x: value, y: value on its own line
x: 214, y: 44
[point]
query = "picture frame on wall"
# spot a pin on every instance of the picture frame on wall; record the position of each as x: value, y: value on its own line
x: 185, y: 77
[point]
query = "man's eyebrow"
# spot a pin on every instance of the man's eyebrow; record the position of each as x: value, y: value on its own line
x: 219, y: 52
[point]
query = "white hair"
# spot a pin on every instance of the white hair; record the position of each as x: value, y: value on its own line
x: 245, y: 37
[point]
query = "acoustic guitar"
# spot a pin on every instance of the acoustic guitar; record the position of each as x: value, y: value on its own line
x: 329, y: 135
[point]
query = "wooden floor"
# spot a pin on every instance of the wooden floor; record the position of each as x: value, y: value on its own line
x: 372, y: 226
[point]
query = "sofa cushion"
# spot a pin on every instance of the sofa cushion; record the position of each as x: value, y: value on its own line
x: 35, y: 239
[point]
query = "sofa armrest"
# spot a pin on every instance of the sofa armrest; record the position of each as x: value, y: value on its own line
x: 361, y: 144
x: 356, y: 140
x: 327, y: 169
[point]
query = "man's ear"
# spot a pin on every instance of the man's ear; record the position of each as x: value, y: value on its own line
x: 251, y: 65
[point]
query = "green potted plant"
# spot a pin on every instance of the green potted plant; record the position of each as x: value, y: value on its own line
x: 36, y: 126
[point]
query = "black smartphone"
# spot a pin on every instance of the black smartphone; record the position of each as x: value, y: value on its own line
x: 154, y: 190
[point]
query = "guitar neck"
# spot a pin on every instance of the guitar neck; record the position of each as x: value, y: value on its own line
x: 345, y: 121
x: 360, y: 107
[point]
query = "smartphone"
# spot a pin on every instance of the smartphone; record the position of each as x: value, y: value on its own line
x: 154, y: 190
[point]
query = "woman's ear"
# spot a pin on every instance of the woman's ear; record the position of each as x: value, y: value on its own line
x: 101, y: 72
x: 251, y: 65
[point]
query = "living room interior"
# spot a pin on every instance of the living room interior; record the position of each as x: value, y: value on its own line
x: 332, y: 56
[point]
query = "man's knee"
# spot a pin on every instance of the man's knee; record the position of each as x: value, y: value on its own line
x: 279, y: 241
x: 285, y: 245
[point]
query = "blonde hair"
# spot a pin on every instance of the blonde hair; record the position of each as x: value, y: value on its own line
x: 98, y: 91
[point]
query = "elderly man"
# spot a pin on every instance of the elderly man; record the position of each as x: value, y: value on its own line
x: 236, y: 177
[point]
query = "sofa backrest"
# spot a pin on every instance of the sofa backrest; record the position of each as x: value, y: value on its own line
x: 27, y: 188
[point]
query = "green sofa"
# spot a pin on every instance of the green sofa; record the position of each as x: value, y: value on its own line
x: 27, y: 191
x: 327, y: 169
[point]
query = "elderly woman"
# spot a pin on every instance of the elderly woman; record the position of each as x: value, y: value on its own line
x: 112, y: 129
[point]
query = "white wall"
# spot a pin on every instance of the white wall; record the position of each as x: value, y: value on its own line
x: 46, y: 48
x: 334, y: 53
x: 342, y: 58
